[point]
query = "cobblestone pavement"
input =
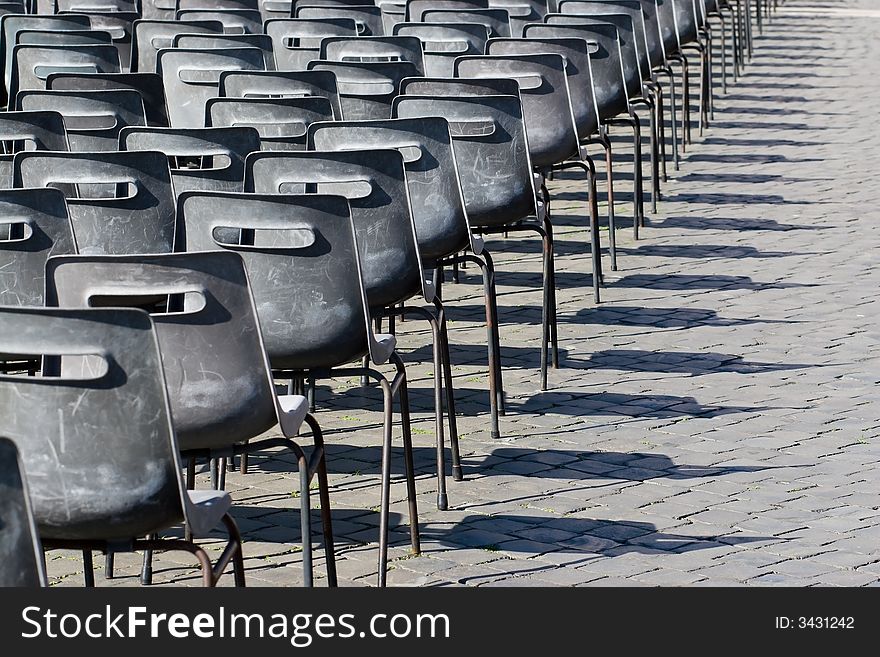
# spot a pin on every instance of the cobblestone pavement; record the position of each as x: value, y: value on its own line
x: 716, y: 419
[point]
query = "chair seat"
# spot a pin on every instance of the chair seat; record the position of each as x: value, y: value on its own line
x: 204, y: 509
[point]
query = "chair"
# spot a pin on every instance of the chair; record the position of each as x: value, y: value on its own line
x: 235, y: 21
x: 443, y: 42
x: 393, y: 13
x: 368, y: 19
x: 442, y: 230
x: 158, y: 9
x: 282, y: 84
x: 301, y: 239
x: 103, y: 471
x: 500, y: 197
x: 297, y: 41
x: 497, y: 21
x: 21, y: 556
x: 415, y: 9
x: 609, y: 85
x: 138, y: 217
x: 521, y: 13
x: 200, y: 159
x: 217, y: 405
x: 192, y: 76
x: 692, y: 35
x: 209, y: 41
x: 148, y: 85
x: 31, y: 65
x: 149, y: 36
x: 672, y: 47
x: 42, y: 131
x: 93, y: 118
x: 282, y: 123
x: 366, y: 89
x: 374, y: 49
x: 11, y: 24
x: 549, y: 122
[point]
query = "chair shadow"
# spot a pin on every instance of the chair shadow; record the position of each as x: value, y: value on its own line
x: 693, y: 282
x: 679, y: 362
x: 704, y: 251
x: 732, y: 223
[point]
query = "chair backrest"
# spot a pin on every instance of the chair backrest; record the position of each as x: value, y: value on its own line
x: 274, y: 9
x: 688, y: 20
x: 668, y: 24
x: 366, y: 89
x: 488, y: 130
x: 21, y: 557
x: 415, y: 9
x: 305, y: 277
x: 374, y: 182
x: 521, y: 12
x: 203, y: 41
x: 374, y: 49
x: 368, y: 19
x: 35, y: 226
x: 120, y: 25
x: 148, y: 85
x: 235, y: 21
x: 606, y: 61
x: 31, y: 65
x: 282, y: 84
x: 443, y: 42
x: 215, y: 365
x: 102, y: 462
x: 629, y: 54
x: 393, y: 13
x: 282, y: 123
x: 62, y: 38
x: 297, y: 41
x: 192, y: 76
x: 633, y: 9
x: 577, y: 70
x: 138, y: 218
x: 152, y: 35
x: 159, y: 9
x: 199, y: 158
x: 11, y: 24
x: 93, y: 118
x: 42, y: 131
x: 455, y: 87
x: 653, y: 35
x: 546, y: 102
x: 497, y: 21
x: 431, y: 175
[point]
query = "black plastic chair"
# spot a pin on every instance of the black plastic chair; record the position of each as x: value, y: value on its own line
x: 211, y: 41
x: 93, y: 118
x: 282, y: 123
x: 120, y: 26
x: 521, y: 13
x: 137, y: 218
x: 610, y: 85
x: 21, y: 556
x: 31, y: 65
x: 200, y: 159
x: 148, y: 85
x: 499, y: 198
x: 692, y: 36
x: 298, y: 240
x: 497, y: 21
x: 374, y: 49
x: 442, y: 231
x: 158, y: 9
x: 297, y: 41
x: 192, y: 77
x: 282, y: 84
x: 366, y: 89
x: 11, y: 24
x: 368, y: 19
x: 218, y: 406
x: 443, y: 42
x: 114, y: 471
x: 151, y: 35
x: 42, y: 131
x: 552, y: 135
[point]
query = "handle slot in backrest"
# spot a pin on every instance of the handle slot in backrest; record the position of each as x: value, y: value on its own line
x: 472, y: 128
x: 353, y: 190
x: 43, y: 71
x: 445, y: 46
x: 156, y: 300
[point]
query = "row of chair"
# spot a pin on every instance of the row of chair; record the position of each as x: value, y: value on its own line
x: 130, y: 260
